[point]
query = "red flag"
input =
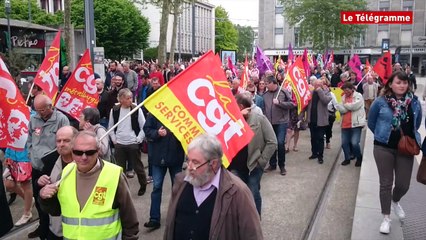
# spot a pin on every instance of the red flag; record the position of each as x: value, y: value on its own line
x: 296, y: 77
x: 80, y: 91
x: 14, y: 112
x: 383, y: 67
x: 48, y: 75
x: 199, y: 100
x: 330, y: 59
x: 245, y: 76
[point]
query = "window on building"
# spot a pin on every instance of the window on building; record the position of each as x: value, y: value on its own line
x: 406, y: 27
x: 279, y: 21
x: 407, y: 3
x: 384, y: 4
x: 405, y: 38
x: 279, y: 41
x: 279, y: 10
x: 360, y: 40
x: 279, y: 31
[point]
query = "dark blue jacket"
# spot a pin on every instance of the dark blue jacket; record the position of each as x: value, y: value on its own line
x: 162, y: 151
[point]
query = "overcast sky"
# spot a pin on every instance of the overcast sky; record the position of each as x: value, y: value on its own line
x: 243, y: 12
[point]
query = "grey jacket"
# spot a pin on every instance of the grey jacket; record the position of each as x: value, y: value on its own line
x: 321, y: 108
x: 278, y: 113
x: 131, y: 80
x: 42, y: 136
x: 264, y: 142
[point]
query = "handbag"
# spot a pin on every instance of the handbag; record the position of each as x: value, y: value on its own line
x: 144, y: 146
x: 421, y: 173
x: 407, y: 145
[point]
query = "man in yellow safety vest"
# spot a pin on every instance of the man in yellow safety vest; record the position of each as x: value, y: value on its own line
x: 92, y: 196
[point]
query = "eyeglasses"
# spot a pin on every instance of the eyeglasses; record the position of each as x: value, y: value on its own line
x: 195, y: 165
x: 88, y: 152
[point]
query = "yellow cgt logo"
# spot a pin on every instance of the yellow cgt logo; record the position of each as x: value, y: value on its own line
x: 99, y: 196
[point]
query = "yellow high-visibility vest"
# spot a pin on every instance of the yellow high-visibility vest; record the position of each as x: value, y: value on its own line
x: 97, y: 219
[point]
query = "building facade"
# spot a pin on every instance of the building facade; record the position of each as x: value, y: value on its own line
x: 200, y: 15
x: 276, y: 34
x: 52, y: 6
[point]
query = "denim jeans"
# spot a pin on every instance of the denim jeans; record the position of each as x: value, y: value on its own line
x: 158, y: 174
x: 350, y: 142
x: 104, y: 122
x: 280, y: 132
x: 253, y: 182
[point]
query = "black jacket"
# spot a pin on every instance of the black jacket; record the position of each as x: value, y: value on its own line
x: 162, y: 151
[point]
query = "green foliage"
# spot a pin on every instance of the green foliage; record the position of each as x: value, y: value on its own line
x: 19, y: 11
x: 245, y: 41
x: 226, y: 33
x: 120, y: 27
x: 150, y: 54
x: 319, y: 21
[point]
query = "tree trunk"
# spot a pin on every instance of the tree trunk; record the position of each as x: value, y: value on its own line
x: 67, y: 30
x: 175, y: 25
x: 162, y: 43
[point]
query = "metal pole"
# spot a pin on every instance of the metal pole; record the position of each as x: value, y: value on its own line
x: 179, y: 37
x: 193, y: 29
x: 89, y: 26
x: 8, y: 41
x: 412, y: 35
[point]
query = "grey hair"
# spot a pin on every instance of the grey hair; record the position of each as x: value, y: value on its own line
x: 90, y: 134
x: 209, y: 145
x: 125, y: 92
x: 125, y: 64
x: 312, y: 79
x: 344, y: 75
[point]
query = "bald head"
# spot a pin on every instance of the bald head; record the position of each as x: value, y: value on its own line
x: 43, y: 106
x: 64, y: 139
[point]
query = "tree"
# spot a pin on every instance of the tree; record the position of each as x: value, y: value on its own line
x: 39, y: 16
x: 164, y: 23
x: 245, y: 41
x: 319, y: 21
x: 150, y: 54
x: 226, y: 34
x: 120, y: 27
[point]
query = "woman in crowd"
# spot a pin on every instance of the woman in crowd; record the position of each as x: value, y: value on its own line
x: 397, y: 111
x: 353, y: 120
x: 89, y: 120
x: 261, y: 87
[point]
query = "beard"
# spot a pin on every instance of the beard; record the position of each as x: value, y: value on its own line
x: 200, y: 180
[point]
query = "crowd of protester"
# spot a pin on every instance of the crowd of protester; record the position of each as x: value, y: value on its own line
x: 391, y: 110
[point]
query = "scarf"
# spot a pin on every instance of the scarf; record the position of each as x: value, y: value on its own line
x: 400, y: 108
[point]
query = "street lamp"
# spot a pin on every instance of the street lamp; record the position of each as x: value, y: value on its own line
x: 8, y: 10
x: 89, y: 26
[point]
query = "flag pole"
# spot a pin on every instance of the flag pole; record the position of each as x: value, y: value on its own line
x: 362, y: 79
x: 29, y: 93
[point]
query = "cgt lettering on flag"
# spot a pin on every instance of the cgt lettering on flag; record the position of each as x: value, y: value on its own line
x: 212, y: 116
x: 50, y: 77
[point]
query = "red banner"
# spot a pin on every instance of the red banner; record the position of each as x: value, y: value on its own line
x: 199, y: 100
x: 383, y: 67
x: 296, y: 77
x: 80, y: 91
x: 14, y: 113
x: 48, y: 75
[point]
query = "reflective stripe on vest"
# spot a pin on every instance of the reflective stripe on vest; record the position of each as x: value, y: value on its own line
x: 96, y: 219
x: 91, y: 221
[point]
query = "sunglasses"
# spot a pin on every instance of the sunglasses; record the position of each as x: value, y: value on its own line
x: 88, y: 152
